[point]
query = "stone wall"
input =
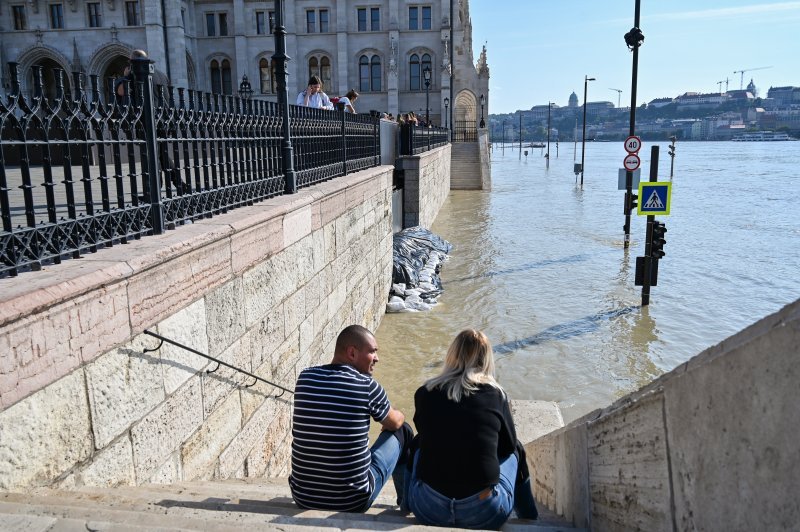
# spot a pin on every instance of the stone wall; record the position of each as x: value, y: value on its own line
x: 426, y: 185
x: 266, y: 288
x: 712, y: 445
x: 485, y: 158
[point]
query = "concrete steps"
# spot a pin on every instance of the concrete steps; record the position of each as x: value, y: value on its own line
x: 227, y: 505
x: 465, y: 172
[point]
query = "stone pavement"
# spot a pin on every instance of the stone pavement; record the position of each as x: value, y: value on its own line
x: 228, y: 505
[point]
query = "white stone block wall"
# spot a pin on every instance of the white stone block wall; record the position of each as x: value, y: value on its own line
x: 266, y: 288
x: 426, y: 185
x: 711, y: 445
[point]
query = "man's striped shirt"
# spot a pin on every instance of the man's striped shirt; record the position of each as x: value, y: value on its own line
x: 330, y: 449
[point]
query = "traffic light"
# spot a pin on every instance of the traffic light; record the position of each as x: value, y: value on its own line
x: 671, y: 150
x: 657, y: 242
x: 630, y: 202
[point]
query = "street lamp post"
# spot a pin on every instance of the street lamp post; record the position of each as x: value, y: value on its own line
x: 446, y: 116
x: 549, y: 104
x: 483, y: 102
x: 586, y: 80
x: 245, y: 89
x: 426, y: 74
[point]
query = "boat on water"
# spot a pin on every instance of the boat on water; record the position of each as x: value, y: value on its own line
x: 762, y: 136
x: 537, y: 145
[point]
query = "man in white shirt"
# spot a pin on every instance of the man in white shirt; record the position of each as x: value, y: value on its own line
x: 313, y: 95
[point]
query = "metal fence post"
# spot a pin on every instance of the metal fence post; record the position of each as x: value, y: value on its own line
x: 143, y: 74
x: 281, y: 76
x: 341, y: 111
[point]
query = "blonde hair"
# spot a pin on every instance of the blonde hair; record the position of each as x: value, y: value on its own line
x: 468, y: 364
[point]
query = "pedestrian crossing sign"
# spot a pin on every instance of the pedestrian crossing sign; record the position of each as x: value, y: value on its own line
x: 654, y: 198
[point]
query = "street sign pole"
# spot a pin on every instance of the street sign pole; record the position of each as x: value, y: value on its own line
x: 633, y: 39
x: 648, y: 246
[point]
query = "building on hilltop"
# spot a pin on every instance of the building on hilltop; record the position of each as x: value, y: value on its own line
x: 660, y: 102
x: 573, y: 100
x: 783, y: 96
x: 381, y: 48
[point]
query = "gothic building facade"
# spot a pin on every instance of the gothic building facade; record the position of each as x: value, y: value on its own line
x: 380, y: 48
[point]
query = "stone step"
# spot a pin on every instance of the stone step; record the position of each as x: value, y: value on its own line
x: 258, y: 504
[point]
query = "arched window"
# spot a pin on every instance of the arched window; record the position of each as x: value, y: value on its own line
x: 216, y: 77
x: 414, y: 72
x: 266, y: 69
x: 227, y: 85
x: 320, y: 66
x: 370, y: 75
x: 325, y: 71
x: 416, y: 68
x: 363, y: 73
x: 426, y: 64
x: 221, y: 77
x: 313, y: 67
x: 375, y: 68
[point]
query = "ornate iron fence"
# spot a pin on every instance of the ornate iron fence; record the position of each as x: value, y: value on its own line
x: 419, y: 139
x: 465, y: 131
x: 78, y: 173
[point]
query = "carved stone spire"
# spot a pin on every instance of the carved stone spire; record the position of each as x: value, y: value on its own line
x: 482, y: 66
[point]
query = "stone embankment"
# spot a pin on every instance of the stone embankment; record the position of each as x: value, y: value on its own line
x: 711, y: 445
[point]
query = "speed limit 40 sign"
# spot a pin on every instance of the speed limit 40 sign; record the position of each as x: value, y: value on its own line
x: 633, y: 144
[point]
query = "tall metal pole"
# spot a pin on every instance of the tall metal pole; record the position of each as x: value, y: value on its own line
x: 633, y: 39
x: 427, y: 76
x: 648, y: 248
x: 282, y: 75
x: 548, y: 134
x: 586, y: 80
x: 520, y: 134
x: 575, y: 140
x: 504, y: 135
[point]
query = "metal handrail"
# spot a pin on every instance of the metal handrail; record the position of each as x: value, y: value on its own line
x: 209, y: 357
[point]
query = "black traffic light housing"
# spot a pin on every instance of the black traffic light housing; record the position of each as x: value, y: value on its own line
x: 630, y: 202
x: 657, y: 240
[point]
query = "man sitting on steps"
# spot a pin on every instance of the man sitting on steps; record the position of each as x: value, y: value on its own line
x: 333, y: 467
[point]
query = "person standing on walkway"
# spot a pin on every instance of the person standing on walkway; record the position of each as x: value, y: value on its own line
x: 125, y: 94
x: 468, y: 471
x: 314, y: 96
x: 333, y: 467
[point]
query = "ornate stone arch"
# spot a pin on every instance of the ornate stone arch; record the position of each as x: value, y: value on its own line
x: 35, y: 54
x: 109, y: 60
x: 466, y: 107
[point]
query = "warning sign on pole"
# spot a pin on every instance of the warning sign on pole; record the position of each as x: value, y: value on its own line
x: 633, y: 144
x: 654, y: 198
x: 631, y: 162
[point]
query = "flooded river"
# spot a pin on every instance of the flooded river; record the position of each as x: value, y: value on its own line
x: 538, y: 264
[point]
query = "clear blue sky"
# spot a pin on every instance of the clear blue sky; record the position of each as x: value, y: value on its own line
x: 540, y: 50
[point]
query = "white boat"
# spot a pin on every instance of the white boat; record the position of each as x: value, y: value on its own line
x: 761, y: 136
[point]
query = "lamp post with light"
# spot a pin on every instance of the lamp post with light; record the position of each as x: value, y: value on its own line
x: 483, y: 102
x: 586, y: 80
x: 426, y: 74
x: 245, y: 89
x: 446, y: 116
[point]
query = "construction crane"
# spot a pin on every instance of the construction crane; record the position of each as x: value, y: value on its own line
x: 741, y: 79
x: 619, y: 94
x: 725, y: 81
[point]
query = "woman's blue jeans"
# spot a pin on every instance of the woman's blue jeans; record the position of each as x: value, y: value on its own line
x: 487, y: 509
